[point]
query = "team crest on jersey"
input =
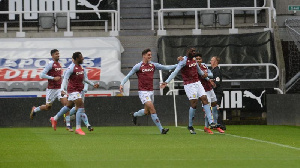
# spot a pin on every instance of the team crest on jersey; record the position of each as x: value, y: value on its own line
x: 54, y: 65
x: 150, y: 64
x: 194, y: 58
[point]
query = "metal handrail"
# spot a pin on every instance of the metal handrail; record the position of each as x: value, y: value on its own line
x: 196, y: 10
x: 208, y: 6
x: 114, y: 19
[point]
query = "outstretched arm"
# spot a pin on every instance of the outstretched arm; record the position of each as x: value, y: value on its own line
x: 87, y: 81
x: 174, y: 73
x: 133, y: 71
x: 164, y: 67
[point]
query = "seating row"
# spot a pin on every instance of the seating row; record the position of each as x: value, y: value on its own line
x: 36, y: 86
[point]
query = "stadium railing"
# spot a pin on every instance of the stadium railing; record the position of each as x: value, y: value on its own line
x: 160, y: 14
x: 115, y: 26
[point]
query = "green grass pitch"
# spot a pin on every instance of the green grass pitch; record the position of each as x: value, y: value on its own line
x: 241, y: 146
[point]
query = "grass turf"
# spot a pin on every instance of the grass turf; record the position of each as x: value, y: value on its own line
x: 270, y: 146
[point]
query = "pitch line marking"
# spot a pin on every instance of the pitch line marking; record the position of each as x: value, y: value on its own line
x: 257, y: 140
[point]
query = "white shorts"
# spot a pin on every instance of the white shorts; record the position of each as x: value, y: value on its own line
x: 146, y: 96
x: 52, y: 94
x: 194, y: 90
x: 74, y: 96
x: 211, y: 96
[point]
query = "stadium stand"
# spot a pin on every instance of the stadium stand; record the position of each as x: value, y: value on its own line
x: 3, y: 87
x: 113, y: 85
x: 33, y: 86
x: 61, y: 20
x: 102, y: 86
x: 46, y: 20
x: 16, y: 87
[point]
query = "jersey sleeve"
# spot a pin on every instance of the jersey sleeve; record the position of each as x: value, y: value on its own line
x: 180, y: 65
x: 133, y: 71
x: 86, y: 79
x: 200, y: 72
x: 67, y: 75
x: 48, y: 67
x: 164, y: 67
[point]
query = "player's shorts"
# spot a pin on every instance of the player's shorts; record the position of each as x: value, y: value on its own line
x: 194, y: 90
x: 211, y: 96
x: 146, y: 96
x: 52, y: 94
x: 74, y: 96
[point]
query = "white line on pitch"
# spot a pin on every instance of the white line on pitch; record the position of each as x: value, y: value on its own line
x: 257, y: 140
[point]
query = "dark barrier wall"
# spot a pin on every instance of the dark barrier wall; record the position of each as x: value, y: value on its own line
x: 283, y: 109
x: 102, y: 111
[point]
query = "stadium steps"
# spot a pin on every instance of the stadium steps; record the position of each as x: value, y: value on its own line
x: 135, y: 16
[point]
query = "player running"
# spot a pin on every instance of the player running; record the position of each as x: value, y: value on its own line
x: 145, y: 71
x: 76, y: 75
x: 52, y: 72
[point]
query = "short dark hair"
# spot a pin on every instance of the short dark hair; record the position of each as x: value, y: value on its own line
x: 53, y: 51
x: 146, y: 51
x: 76, y: 55
x: 217, y: 58
x: 198, y: 55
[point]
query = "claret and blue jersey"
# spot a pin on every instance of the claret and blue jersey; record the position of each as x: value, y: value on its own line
x: 145, y: 72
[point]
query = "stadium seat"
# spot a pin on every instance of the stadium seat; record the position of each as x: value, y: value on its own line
x: 44, y: 86
x: 114, y: 85
x: 16, y: 87
x: 34, y: 86
x: 224, y: 17
x: 207, y: 17
x: 3, y: 87
x: 102, y: 86
x: 91, y: 87
x: 46, y: 20
x: 61, y: 20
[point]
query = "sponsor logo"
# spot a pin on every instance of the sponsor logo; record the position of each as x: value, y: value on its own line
x: 29, y: 69
x: 48, y: 5
x: 80, y: 73
x: 239, y: 99
x: 252, y: 96
x: 89, y: 5
x: 193, y: 64
x: 147, y: 70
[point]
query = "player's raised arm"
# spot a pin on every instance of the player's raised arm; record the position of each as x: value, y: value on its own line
x: 133, y: 71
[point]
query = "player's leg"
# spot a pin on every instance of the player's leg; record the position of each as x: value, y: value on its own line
x: 206, y: 106
x: 50, y: 97
x: 149, y: 107
x: 143, y: 97
x: 64, y: 101
x: 191, y: 94
x: 61, y: 112
x: 80, y: 111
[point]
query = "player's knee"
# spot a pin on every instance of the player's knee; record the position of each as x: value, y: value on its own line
x: 48, y: 106
x: 213, y: 104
